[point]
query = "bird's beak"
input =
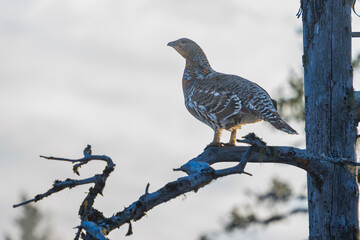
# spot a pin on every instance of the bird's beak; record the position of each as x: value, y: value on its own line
x: 171, y: 44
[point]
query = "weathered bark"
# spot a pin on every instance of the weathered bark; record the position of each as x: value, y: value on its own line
x: 200, y: 173
x: 330, y: 117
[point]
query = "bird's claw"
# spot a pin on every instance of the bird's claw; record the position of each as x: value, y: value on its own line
x: 214, y: 144
x: 229, y: 144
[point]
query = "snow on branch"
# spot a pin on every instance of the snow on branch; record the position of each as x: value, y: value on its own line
x: 199, y: 173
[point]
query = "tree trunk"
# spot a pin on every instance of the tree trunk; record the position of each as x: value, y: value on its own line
x: 330, y: 118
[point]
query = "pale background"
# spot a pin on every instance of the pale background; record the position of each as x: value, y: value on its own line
x: 81, y: 72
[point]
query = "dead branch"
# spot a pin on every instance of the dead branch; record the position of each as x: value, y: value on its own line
x: 86, y: 211
x: 200, y: 173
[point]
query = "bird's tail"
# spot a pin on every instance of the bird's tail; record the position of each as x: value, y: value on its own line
x: 280, y: 124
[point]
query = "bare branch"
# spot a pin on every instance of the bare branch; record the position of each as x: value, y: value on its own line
x: 88, y: 215
x: 200, y: 173
x: 70, y: 183
x: 355, y: 34
x: 82, y: 161
x: 57, y: 187
x: 93, y: 230
x: 269, y: 154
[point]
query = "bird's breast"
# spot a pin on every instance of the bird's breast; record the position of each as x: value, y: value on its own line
x: 186, y: 84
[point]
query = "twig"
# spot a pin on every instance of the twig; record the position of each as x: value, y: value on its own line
x: 129, y: 232
x: 238, y: 168
x: 86, y: 211
x: 199, y: 174
x: 58, y: 186
x: 93, y: 230
x: 78, y: 233
x: 199, y: 171
x: 147, y: 188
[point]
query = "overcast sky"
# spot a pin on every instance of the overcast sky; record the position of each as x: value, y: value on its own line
x: 81, y: 72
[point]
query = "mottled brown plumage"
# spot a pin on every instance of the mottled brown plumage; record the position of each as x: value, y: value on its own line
x: 223, y: 101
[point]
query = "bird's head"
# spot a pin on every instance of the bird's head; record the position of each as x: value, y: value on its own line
x: 187, y: 48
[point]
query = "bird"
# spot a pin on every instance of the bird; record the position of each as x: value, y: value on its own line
x: 223, y: 101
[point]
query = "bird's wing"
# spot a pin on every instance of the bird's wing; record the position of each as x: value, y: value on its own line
x: 215, y: 100
x: 223, y: 96
x: 254, y: 99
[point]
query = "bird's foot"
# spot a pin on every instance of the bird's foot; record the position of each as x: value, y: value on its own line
x: 214, y: 144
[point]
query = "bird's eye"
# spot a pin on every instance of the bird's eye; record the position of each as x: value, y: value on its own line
x: 182, y: 41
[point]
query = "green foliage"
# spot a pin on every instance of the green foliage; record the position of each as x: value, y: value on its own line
x: 356, y: 62
x: 279, y: 192
x: 239, y: 219
x: 292, y: 108
x: 29, y: 224
x: 278, y: 195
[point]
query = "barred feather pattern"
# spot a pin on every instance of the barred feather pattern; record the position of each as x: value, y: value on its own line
x: 223, y: 101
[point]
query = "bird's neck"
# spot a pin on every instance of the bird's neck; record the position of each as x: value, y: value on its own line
x: 195, y: 71
x: 197, y: 68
